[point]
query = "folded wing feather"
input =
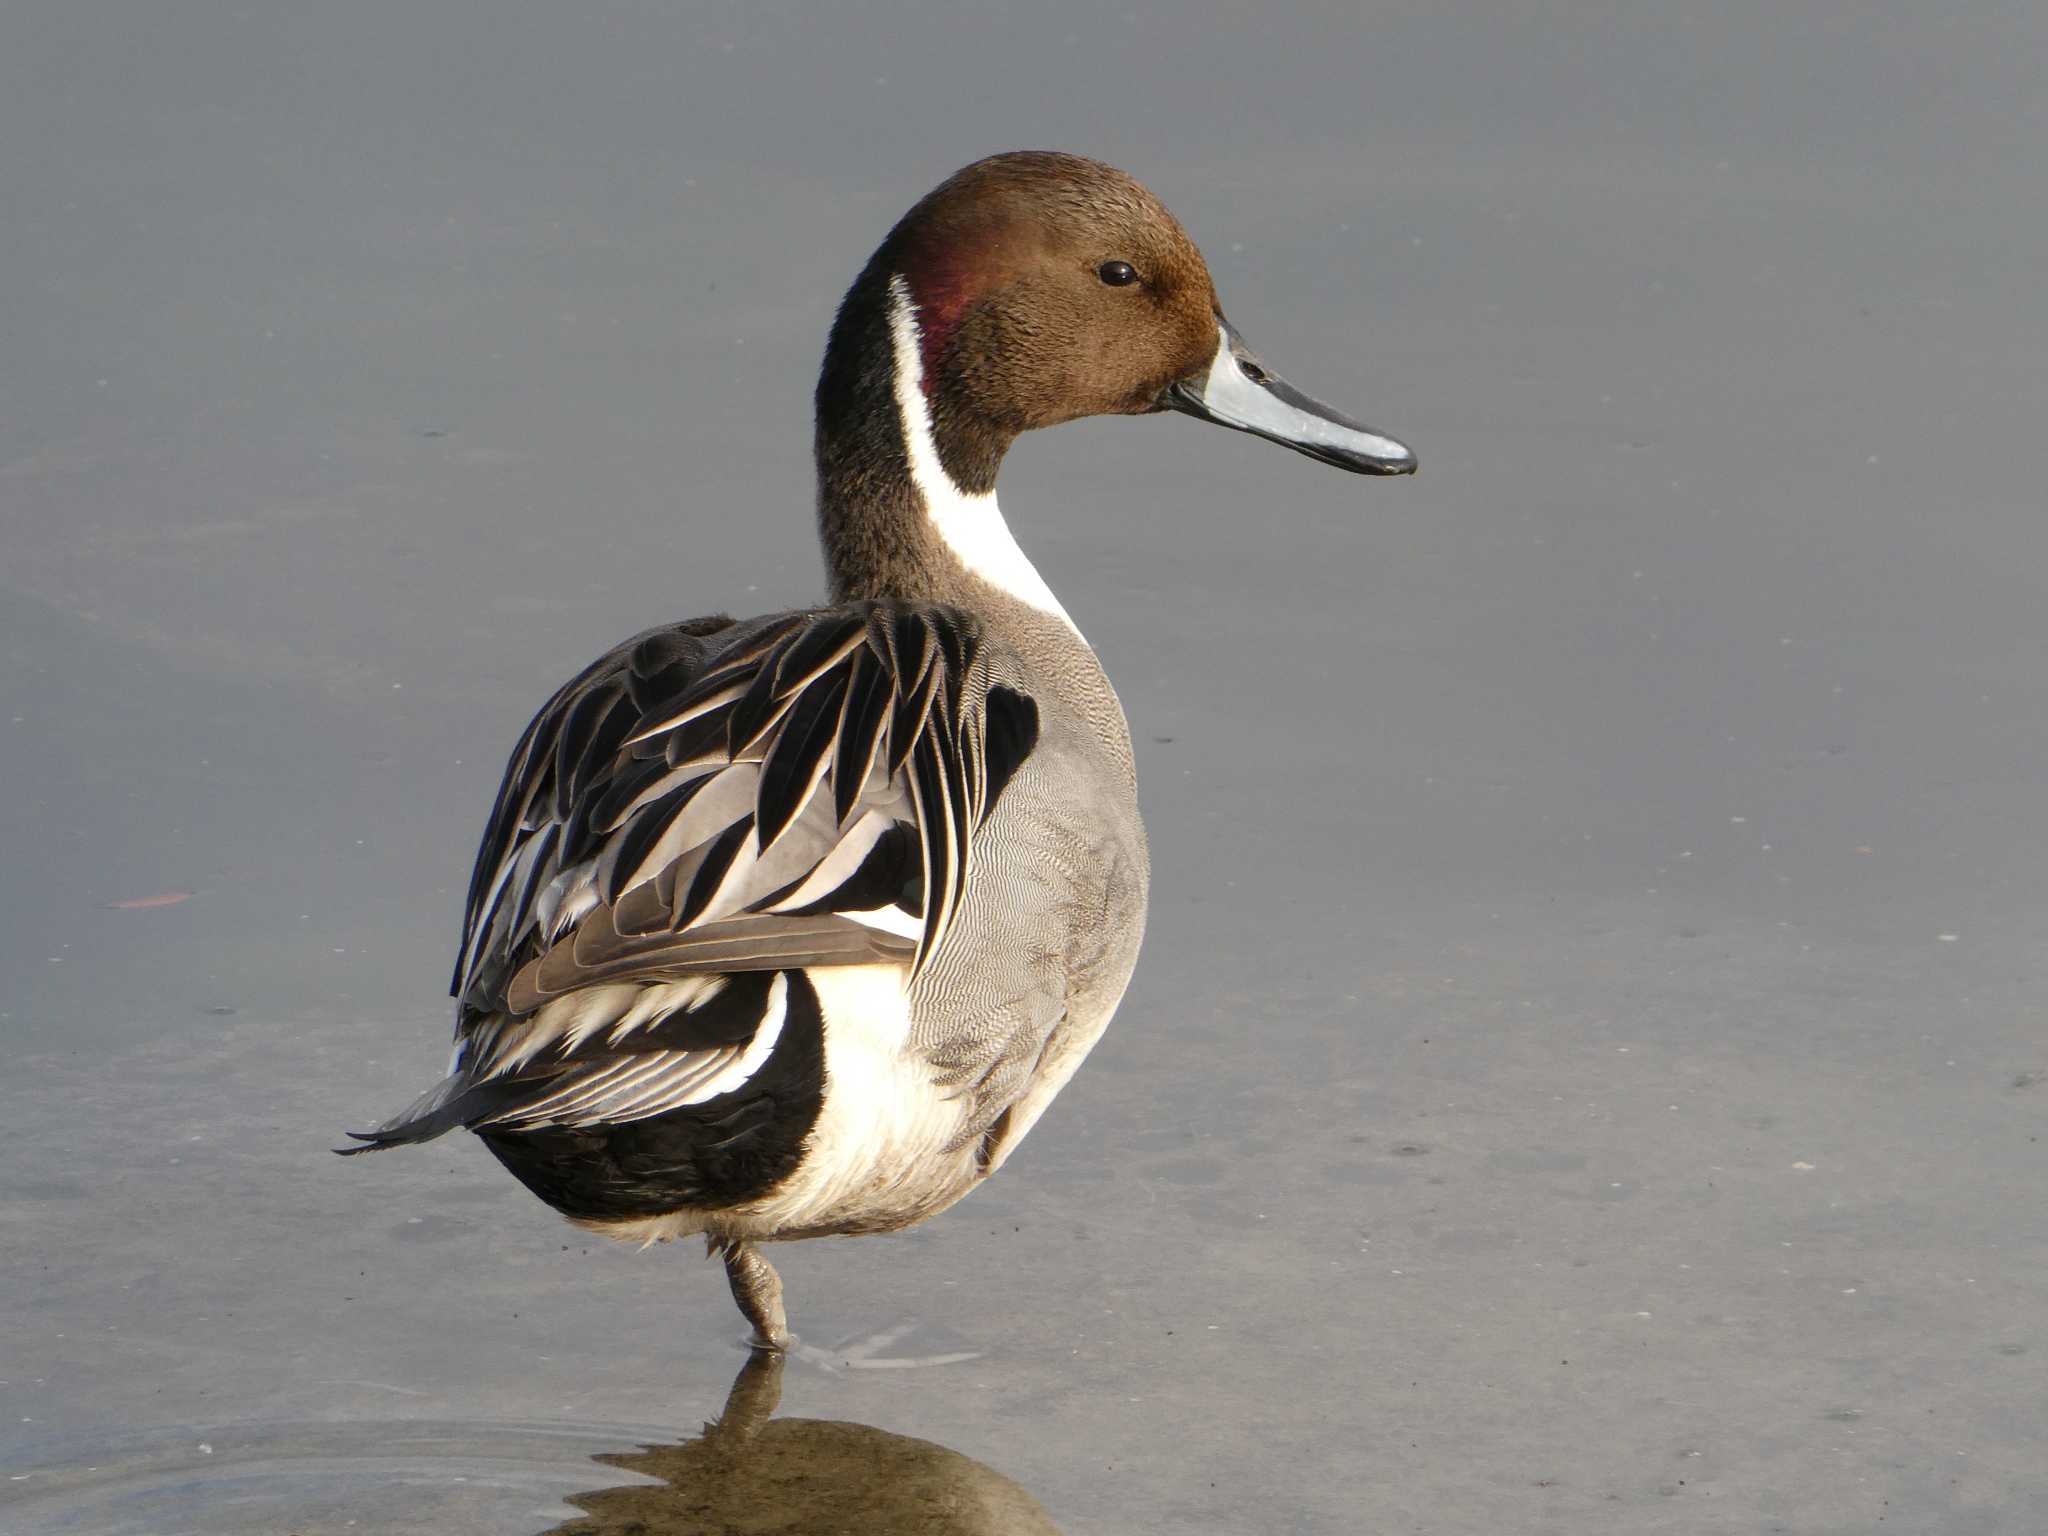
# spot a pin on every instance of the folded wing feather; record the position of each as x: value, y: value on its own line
x: 711, y: 803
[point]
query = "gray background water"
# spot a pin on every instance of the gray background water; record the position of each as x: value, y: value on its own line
x: 1587, y: 1069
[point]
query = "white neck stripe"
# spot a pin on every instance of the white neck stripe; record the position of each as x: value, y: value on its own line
x: 971, y: 526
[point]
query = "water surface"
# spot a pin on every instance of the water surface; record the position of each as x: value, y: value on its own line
x: 1587, y: 1068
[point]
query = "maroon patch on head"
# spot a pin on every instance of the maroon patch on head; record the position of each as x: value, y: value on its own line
x: 938, y: 308
x: 944, y: 282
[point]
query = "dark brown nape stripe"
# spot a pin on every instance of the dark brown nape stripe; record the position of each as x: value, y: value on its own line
x: 736, y: 1147
x: 873, y: 529
x: 878, y: 543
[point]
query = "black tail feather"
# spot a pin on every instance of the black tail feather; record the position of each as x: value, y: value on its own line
x: 372, y: 1142
x: 449, y: 1105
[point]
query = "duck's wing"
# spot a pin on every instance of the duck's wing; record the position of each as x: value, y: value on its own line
x: 801, y: 790
x: 711, y: 801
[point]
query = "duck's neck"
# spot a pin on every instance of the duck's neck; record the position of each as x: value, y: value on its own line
x: 906, y: 508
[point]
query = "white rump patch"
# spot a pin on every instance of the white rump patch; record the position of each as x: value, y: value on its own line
x: 972, y: 526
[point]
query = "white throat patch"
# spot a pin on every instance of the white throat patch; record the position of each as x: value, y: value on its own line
x: 972, y: 526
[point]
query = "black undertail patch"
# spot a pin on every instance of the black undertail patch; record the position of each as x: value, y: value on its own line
x: 734, y: 1148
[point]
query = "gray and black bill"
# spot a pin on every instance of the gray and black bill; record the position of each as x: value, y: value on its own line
x: 1239, y: 391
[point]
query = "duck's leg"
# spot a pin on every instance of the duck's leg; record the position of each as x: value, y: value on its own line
x: 758, y: 1290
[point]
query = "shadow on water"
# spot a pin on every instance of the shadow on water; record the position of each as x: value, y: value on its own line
x: 748, y: 1472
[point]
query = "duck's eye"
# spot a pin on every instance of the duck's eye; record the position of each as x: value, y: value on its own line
x: 1118, y: 274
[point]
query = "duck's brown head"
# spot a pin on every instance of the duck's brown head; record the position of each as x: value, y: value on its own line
x: 1048, y: 287
x: 1026, y: 290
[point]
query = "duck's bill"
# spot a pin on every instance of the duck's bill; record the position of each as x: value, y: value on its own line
x: 1240, y: 392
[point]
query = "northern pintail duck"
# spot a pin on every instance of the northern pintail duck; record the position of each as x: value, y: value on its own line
x: 795, y: 925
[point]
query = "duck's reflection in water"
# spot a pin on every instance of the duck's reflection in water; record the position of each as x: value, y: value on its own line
x: 752, y: 1472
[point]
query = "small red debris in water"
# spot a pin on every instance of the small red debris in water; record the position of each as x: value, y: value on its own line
x: 143, y: 903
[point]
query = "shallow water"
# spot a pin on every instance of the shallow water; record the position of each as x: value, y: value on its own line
x: 745, y: 1469
x: 1587, y: 1069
